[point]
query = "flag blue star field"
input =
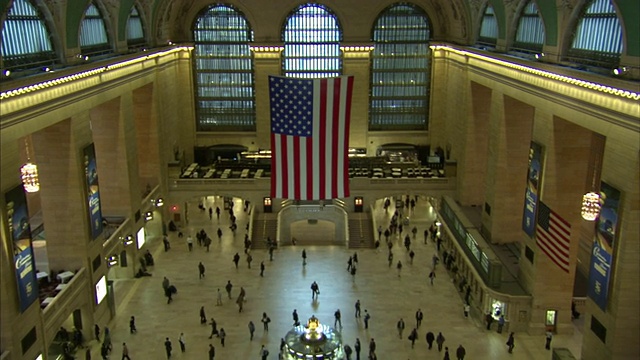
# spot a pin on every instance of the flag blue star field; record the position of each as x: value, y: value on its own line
x: 310, y: 137
x: 553, y: 236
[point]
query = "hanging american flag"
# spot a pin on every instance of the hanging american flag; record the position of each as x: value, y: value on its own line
x: 310, y: 137
x: 553, y: 236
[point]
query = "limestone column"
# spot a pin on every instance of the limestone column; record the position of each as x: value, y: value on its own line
x: 266, y: 62
x: 141, y: 116
x: 356, y: 62
x: 565, y: 173
x: 509, y: 143
x: 63, y: 196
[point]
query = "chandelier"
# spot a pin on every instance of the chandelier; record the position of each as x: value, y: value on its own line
x: 29, y: 174
x: 590, y: 206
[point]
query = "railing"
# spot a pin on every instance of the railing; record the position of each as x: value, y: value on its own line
x: 5, y: 355
x: 110, y: 245
x: 64, y: 303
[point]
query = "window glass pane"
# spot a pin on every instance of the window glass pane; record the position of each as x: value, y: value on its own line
x: 135, y: 32
x: 400, y: 70
x: 530, y: 33
x: 93, y: 33
x: 25, y: 38
x: 223, y: 63
x: 312, y: 43
x: 488, y: 27
x: 598, y: 37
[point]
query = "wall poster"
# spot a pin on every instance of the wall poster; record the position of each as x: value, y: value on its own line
x: 603, y: 245
x: 93, y: 191
x: 532, y: 192
x: 20, y: 229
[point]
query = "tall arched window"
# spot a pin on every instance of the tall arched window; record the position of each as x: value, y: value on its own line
x: 93, y: 33
x: 25, y: 38
x: 400, y: 70
x: 311, y: 39
x: 223, y: 63
x: 488, y: 27
x: 530, y: 34
x: 598, y: 36
x: 135, y: 31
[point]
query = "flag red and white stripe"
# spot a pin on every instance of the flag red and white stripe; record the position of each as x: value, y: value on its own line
x: 310, y: 137
x: 553, y: 236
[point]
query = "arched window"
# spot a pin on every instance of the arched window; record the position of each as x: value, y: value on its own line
x: 488, y: 28
x: 530, y: 34
x: 93, y: 33
x: 311, y: 39
x: 223, y: 63
x: 400, y: 70
x: 135, y: 31
x: 25, y: 38
x: 598, y: 36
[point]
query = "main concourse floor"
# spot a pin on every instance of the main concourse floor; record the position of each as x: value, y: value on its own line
x: 285, y: 286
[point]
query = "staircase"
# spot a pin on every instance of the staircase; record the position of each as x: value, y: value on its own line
x: 265, y: 225
x: 360, y: 231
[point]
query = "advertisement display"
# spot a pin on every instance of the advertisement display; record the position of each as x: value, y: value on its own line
x: 20, y: 229
x: 93, y: 191
x: 140, y: 238
x: 531, y: 196
x: 603, y: 245
x: 101, y: 289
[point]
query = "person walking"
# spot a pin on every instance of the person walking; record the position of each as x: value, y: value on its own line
x: 372, y: 348
x: 315, y: 290
x: 419, y: 317
x: 182, y: 342
x: 446, y: 354
x: 264, y: 353
x: 219, y: 233
x: 337, y: 319
x: 240, y: 300
x: 265, y: 321
x: 210, y: 213
x: 367, y: 317
x: 349, y: 263
x: 218, y: 212
x: 461, y: 352
x: 413, y: 337
x: 432, y: 276
x: 296, y: 321
x: 167, y: 347
x: 249, y: 260
x: 190, y: 242
x: 214, y: 328
x: 212, y: 352
x: 252, y: 329
x: 304, y: 257
x: 440, y: 340
x: 201, y: 269
x: 357, y: 347
x: 236, y: 259
x: 399, y: 267
x: 390, y: 258
x: 348, y: 351
x: 219, y: 298
x: 549, y: 337
x: 430, y: 338
x: 357, y: 306
x: 489, y: 320
x: 222, y: 335
x: 132, y: 325
x: 262, y: 269
x: 96, y: 331
x: 203, y: 317
x: 125, y: 352
x: 466, y: 308
x: 400, y: 327
x: 501, y: 322
x: 412, y: 254
x: 228, y: 287
x: 511, y: 342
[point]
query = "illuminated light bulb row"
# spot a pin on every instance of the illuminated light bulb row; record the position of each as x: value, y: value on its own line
x: 573, y: 81
x: 266, y: 48
x: 357, y: 48
x: 47, y: 84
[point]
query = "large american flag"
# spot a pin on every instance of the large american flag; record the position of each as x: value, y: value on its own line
x: 310, y: 137
x: 553, y: 236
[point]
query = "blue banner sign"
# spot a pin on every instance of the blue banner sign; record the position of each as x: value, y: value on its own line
x: 534, y: 174
x: 603, y: 245
x: 93, y: 191
x: 20, y: 229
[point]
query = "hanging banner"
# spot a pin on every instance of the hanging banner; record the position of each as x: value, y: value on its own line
x: 20, y: 229
x: 534, y: 174
x: 603, y: 245
x: 93, y: 193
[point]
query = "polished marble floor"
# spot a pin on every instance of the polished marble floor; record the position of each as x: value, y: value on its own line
x: 387, y: 295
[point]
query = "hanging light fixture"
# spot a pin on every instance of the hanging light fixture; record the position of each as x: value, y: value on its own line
x: 29, y: 173
x: 590, y: 206
x: 591, y: 200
